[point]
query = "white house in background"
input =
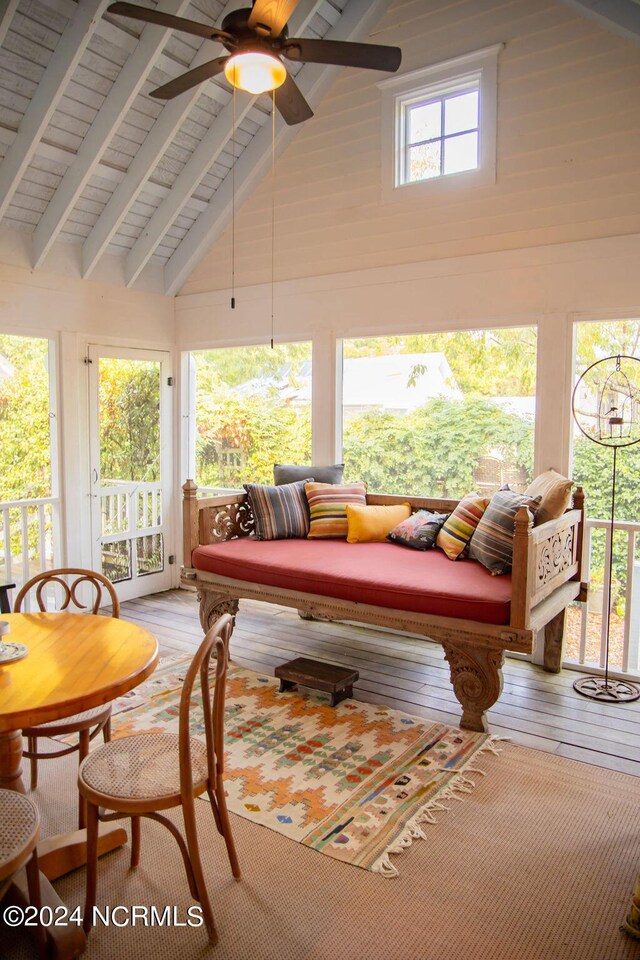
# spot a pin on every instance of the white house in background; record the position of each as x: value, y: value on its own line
x: 397, y: 383
x: 6, y: 369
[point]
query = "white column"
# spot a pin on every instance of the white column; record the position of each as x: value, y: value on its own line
x: 553, y: 389
x: 325, y: 407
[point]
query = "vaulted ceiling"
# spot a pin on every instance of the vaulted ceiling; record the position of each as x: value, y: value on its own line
x: 88, y: 157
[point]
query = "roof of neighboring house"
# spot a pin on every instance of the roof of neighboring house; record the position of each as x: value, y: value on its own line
x: 383, y: 382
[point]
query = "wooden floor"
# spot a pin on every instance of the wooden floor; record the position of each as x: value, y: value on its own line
x: 535, y: 709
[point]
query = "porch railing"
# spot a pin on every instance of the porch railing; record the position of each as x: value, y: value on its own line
x: 30, y: 537
x: 589, y: 618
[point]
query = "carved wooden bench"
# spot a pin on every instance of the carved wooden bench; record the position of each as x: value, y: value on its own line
x: 544, y: 581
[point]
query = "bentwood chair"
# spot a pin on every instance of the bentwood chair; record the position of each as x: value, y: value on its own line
x: 89, y: 723
x: 140, y: 775
x: 19, y: 831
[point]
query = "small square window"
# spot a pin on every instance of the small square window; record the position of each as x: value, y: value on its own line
x: 441, y: 121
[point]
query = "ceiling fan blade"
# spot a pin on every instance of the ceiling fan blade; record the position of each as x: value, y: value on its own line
x: 269, y: 17
x: 291, y: 104
x: 190, y: 79
x: 168, y: 20
x: 371, y: 56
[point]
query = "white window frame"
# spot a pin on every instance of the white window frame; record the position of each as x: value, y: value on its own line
x: 478, y: 70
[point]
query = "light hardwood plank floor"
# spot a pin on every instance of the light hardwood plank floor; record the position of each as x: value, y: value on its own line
x: 535, y: 709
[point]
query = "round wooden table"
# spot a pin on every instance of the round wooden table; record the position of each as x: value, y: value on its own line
x: 75, y: 662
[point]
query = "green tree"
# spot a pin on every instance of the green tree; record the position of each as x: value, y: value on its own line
x: 433, y: 450
x: 25, y: 453
x: 129, y: 395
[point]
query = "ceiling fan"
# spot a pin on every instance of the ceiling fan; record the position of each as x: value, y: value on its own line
x: 256, y: 39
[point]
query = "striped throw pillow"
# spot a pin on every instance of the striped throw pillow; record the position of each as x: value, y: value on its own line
x: 492, y: 542
x: 280, y: 513
x: 459, y: 528
x: 328, y: 507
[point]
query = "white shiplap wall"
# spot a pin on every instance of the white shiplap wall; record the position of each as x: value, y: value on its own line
x: 568, y: 148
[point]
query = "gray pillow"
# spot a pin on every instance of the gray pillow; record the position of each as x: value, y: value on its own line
x: 290, y: 473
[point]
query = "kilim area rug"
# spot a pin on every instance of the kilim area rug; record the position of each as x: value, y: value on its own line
x: 357, y: 782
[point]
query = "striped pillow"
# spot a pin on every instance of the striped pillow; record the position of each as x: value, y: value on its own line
x: 459, y: 528
x: 492, y: 542
x: 328, y: 507
x: 280, y: 512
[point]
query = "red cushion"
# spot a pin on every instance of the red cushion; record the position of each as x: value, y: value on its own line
x: 381, y: 574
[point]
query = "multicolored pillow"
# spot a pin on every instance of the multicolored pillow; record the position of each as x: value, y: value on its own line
x: 280, y: 513
x: 492, y: 542
x: 371, y: 524
x: 457, y: 531
x: 328, y: 507
x: 420, y: 531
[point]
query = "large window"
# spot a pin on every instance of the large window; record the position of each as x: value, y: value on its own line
x: 25, y: 424
x: 440, y: 121
x: 252, y: 409
x: 29, y: 519
x: 592, y: 468
x: 440, y: 414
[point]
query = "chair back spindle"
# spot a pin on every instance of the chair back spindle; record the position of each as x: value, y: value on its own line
x: 217, y: 639
x: 43, y: 580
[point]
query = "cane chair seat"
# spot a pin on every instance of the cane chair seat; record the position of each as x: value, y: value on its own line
x: 142, y: 767
x: 19, y: 826
x: 19, y: 831
x: 79, y: 721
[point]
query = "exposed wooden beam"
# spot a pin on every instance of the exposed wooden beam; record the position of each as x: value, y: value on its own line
x: 205, y: 154
x: 358, y: 19
x: 619, y: 16
x: 60, y: 68
x: 106, y: 170
x: 144, y: 163
x: 7, y: 10
x: 126, y: 88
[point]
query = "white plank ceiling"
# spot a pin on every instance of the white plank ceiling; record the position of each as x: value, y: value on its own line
x: 88, y: 157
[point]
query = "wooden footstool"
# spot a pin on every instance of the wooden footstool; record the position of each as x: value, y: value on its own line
x: 338, y: 681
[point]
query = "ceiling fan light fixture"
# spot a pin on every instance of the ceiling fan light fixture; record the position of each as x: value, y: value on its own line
x: 255, y: 72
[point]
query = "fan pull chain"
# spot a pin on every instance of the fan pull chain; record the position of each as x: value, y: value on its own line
x: 273, y: 207
x: 233, y: 202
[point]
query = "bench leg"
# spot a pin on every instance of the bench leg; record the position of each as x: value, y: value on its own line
x: 476, y: 676
x: 213, y: 605
x: 554, y: 642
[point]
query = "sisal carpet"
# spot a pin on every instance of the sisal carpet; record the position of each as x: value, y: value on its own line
x: 538, y: 863
x: 357, y: 782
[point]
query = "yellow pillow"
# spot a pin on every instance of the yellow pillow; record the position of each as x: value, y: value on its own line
x: 372, y: 524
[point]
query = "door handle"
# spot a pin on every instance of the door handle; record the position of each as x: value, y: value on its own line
x: 95, y: 475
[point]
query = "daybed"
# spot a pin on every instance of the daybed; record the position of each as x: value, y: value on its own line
x: 474, y: 615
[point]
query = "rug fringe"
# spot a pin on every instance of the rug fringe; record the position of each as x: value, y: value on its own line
x: 412, y: 830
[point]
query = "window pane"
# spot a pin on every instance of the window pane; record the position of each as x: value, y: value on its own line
x: 253, y: 409
x: 440, y: 415
x: 461, y: 113
x: 25, y: 451
x: 150, y: 554
x: 116, y: 561
x: 461, y: 153
x: 129, y: 397
x: 425, y: 122
x: 424, y: 162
